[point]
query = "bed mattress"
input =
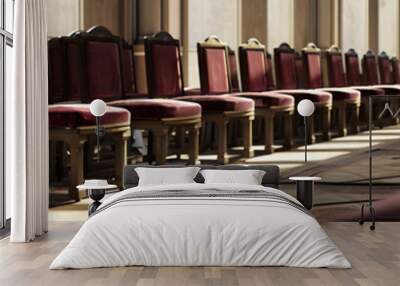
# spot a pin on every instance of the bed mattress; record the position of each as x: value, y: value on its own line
x: 201, y: 225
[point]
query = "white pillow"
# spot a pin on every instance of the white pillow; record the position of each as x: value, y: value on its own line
x: 166, y: 176
x: 248, y: 177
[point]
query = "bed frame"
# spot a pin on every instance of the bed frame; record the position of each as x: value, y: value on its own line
x: 271, y: 177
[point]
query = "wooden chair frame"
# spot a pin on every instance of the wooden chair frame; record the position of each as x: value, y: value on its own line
x: 325, y: 108
x: 76, y: 139
x: 221, y: 120
x: 339, y: 105
x: 268, y: 114
x: 160, y: 129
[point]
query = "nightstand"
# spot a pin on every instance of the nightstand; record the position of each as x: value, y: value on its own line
x: 305, y: 189
x: 96, y: 192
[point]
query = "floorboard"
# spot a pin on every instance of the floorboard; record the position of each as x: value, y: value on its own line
x: 375, y: 257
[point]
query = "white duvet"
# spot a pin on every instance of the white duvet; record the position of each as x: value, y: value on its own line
x: 200, y: 231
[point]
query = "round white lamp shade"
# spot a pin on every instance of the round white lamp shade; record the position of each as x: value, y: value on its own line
x: 305, y: 107
x: 98, y: 107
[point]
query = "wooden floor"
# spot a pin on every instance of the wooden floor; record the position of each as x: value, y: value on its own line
x: 375, y: 257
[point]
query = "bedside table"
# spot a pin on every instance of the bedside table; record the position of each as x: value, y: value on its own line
x: 96, y: 193
x: 305, y: 189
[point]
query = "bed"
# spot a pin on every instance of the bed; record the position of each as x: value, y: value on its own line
x: 201, y: 224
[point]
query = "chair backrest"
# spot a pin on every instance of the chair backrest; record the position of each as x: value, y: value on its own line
x: 285, y: 67
x: 103, y: 64
x: 312, y: 64
x: 396, y: 70
x: 353, y: 74
x: 233, y: 70
x: 213, y: 66
x: 336, y: 74
x: 76, y: 86
x: 385, y: 69
x: 163, y: 66
x: 88, y: 65
x: 57, y: 71
x: 370, y: 68
x: 253, y: 66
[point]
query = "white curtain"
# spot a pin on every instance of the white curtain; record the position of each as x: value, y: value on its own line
x: 27, y: 124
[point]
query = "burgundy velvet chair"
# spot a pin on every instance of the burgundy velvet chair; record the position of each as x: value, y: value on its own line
x: 256, y: 81
x: 385, y: 68
x: 337, y: 77
x: 343, y: 98
x: 288, y: 72
x: 71, y: 122
x: 165, y: 79
x: 105, y: 57
x: 396, y: 70
x: 372, y: 76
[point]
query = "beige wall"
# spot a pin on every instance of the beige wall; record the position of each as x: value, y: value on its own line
x: 254, y: 20
x: 354, y: 25
x: 205, y: 18
x: 102, y: 12
x: 304, y: 17
x: 388, y: 30
x: 63, y: 17
x: 359, y: 24
x: 280, y: 23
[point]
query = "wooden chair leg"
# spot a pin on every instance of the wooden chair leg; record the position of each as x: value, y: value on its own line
x: 288, y: 130
x: 76, y: 144
x: 222, y: 127
x: 342, y: 128
x: 121, y: 158
x: 356, y: 119
x: 180, y: 140
x: 161, y: 145
x: 268, y: 132
x: 326, y: 123
x: 247, y: 133
x: 194, y: 144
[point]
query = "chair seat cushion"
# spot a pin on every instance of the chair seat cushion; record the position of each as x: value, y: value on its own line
x: 268, y: 99
x: 316, y: 96
x: 220, y: 103
x: 155, y: 109
x: 389, y: 89
x: 368, y: 90
x: 78, y: 115
x: 339, y: 93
